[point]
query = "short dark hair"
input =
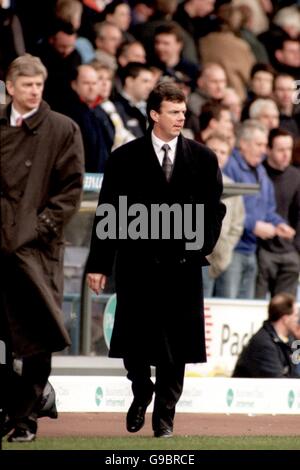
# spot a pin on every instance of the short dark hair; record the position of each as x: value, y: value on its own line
x: 164, y: 91
x: 280, y: 305
x: 259, y: 67
x: 112, y: 6
x: 277, y: 132
x: 209, y: 111
x: 281, y: 40
x: 170, y: 28
x: 61, y: 26
x: 132, y: 69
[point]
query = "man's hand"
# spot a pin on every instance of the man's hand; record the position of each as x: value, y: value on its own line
x: 96, y: 282
x: 264, y: 230
x: 285, y: 231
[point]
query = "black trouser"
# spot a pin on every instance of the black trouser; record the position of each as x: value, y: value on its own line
x: 26, y: 390
x: 21, y: 392
x: 168, y: 388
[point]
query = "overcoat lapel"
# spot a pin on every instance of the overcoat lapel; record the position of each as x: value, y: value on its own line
x: 153, y: 167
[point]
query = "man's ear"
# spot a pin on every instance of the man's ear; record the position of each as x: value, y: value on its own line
x: 154, y: 115
x: 122, y: 61
x: 10, y: 87
x: 200, y: 82
x: 51, y: 40
x: 128, y: 82
x: 73, y: 85
x: 278, y: 55
x: 213, y: 123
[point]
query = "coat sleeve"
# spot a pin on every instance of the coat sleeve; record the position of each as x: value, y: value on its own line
x: 65, y: 188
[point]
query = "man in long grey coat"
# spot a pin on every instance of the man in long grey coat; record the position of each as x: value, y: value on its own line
x: 41, y: 157
x: 159, y: 316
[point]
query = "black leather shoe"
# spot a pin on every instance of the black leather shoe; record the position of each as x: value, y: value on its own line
x: 21, y: 435
x: 163, y: 432
x: 135, y: 419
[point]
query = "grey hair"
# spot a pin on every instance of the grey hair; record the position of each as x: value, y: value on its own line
x: 288, y: 16
x: 259, y: 105
x: 245, y: 131
x: 26, y: 65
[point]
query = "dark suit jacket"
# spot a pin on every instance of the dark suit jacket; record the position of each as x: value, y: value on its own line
x: 266, y: 355
x: 159, y: 282
x: 132, y: 117
x: 97, y: 131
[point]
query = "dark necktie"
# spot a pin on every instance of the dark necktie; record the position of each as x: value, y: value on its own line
x: 167, y: 162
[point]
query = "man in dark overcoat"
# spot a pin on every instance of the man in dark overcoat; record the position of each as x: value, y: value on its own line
x: 159, y: 317
x: 41, y: 158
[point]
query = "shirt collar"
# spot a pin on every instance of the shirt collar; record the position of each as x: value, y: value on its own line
x: 158, y: 143
x: 14, y: 115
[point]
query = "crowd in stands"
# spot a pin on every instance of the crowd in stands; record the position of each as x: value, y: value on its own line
x: 238, y: 63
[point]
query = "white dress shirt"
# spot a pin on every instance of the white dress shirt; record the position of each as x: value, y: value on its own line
x: 158, y: 143
x: 14, y: 115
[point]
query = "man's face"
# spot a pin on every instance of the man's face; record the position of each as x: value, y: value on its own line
x: 280, y: 155
x: 213, y: 82
x: 136, y: 53
x: 63, y: 43
x: 110, y: 40
x: 26, y: 92
x: 169, y: 121
x: 221, y: 149
x: 141, y: 86
x: 121, y: 17
x: 269, y: 117
x: 291, y: 321
x: 86, y: 85
x: 225, y: 121
x: 289, y: 54
x: 284, y: 91
x: 167, y: 48
x: 262, y: 83
x: 233, y: 102
x: 254, y: 149
x: 224, y: 125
